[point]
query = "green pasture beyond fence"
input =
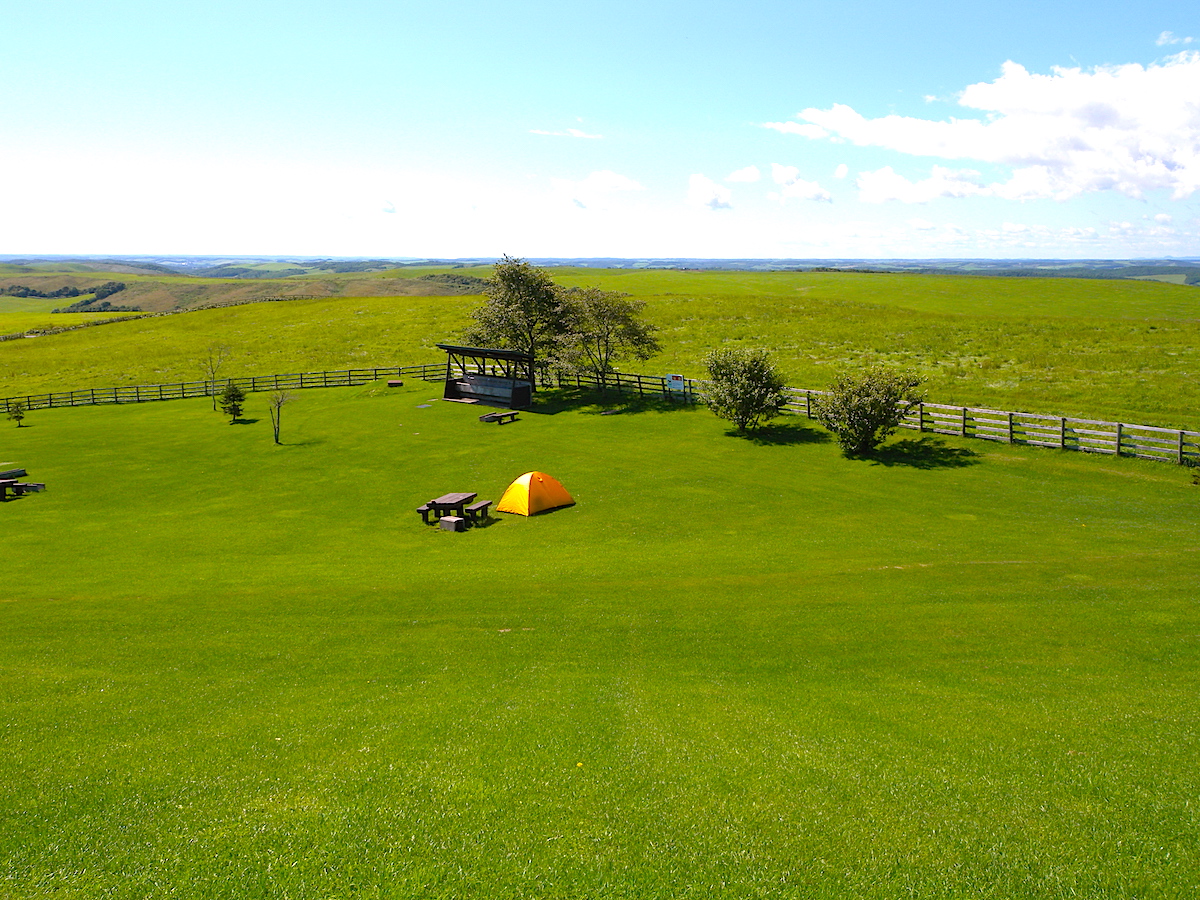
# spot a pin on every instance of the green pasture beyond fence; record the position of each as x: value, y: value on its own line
x: 1033, y: 429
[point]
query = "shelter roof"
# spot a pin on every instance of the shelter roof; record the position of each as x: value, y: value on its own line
x: 487, y: 353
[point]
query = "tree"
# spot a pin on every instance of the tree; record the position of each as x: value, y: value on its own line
x: 744, y: 387
x: 601, y: 326
x: 523, y: 310
x: 232, y: 400
x: 210, y: 365
x: 278, y: 400
x: 862, y: 410
x: 16, y: 412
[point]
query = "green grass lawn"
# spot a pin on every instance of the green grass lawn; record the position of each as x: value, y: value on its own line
x: 1114, y: 350
x: 736, y: 668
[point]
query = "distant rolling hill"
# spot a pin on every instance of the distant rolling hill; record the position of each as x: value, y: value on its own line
x: 159, y: 292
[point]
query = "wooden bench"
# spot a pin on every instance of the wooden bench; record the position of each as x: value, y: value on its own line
x: 395, y: 382
x: 485, y: 387
x: 425, y: 509
x: 478, y: 512
x: 499, y: 417
x: 28, y: 487
x: 13, y: 473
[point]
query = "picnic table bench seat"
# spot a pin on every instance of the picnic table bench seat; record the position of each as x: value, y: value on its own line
x: 478, y: 511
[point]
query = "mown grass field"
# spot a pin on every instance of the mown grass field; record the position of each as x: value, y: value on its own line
x: 736, y: 668
x: 1116, y: 350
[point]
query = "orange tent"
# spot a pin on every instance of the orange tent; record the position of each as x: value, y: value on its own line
x: 532, y: 493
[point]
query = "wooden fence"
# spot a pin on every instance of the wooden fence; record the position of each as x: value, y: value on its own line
x: 1039, y: 430
x: 145, y: 393
x: 1033, y: 429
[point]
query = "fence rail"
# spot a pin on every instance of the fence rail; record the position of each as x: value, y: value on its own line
x: 1032, y: 429
x: 146, y: 393
x: 1039, y: 430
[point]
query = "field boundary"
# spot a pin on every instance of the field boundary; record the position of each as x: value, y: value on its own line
x: 1011, y: 427
x: 148, y: 393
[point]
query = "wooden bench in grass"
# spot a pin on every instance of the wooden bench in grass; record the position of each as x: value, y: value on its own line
x: 499, y: 417
x: 478, y: 512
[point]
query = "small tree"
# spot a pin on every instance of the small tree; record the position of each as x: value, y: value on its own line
x: 278, y: 400
x: 210, y: 366
x: 233, y: 399
x: 602, y: 326
x: 862, y: 410
x: 16, y: 412
x: 744, y: 387
x: 523, y: 311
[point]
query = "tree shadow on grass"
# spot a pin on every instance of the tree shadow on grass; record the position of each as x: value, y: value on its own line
x: 594, y: 403
x: 241, y: 421
x: 924, y: 453
x: 782, y: 434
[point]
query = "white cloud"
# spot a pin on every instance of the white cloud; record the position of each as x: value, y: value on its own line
x: 595, y: 190
x: 793, y: 186
x: 808, y: 131
x: 705, y: 192
x: 570, y: 132
x: 747, y: 175
x: 784, y: 174
x: 841, y: 171
x: 1168, y: 37
x: 886, y: 184
x: 1129, y: 129
x: 1164, y: 219
x: 922, y: 225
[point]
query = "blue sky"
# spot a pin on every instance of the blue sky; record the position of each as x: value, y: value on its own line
x: 761, y: 129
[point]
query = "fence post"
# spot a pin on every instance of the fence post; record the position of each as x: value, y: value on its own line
x: 963, y: 428
x: 1118, y: 439
x: 1010, y: 430
x: 808, y: 404
x: 1179, y: 451
x: 1062, y: 433
x: 920, y: 417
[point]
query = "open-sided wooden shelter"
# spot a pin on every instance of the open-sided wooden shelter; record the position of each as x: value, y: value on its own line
x: 488, y: 375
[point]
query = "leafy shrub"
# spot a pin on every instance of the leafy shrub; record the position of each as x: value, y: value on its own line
x: 744, y: 387
x: 863, y: 409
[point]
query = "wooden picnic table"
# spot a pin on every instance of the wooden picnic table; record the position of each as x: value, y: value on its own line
x: 5, y: 484
x: 451, y: 503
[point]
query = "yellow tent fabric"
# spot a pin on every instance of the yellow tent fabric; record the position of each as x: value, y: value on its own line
x: 532, y: 493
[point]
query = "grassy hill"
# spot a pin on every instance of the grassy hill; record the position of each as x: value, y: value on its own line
x: 1093, y: 348
x: 734, y: 669
x: 155, y: 292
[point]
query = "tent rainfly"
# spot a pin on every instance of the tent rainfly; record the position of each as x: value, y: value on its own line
x: 532, y: 493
